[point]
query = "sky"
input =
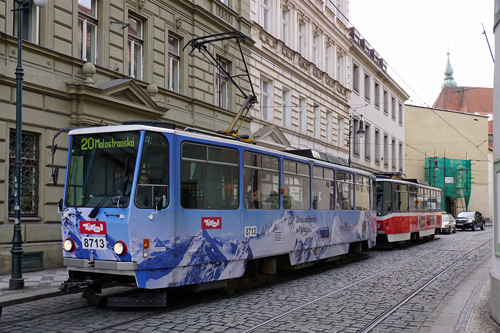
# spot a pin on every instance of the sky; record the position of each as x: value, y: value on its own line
x: 415, y: 36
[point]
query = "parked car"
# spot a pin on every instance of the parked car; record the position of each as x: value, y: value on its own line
x: 448, y: 224
x: 470, y: 219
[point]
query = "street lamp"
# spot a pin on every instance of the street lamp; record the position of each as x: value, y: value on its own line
x: 16, y: 281
x: 361, y: 132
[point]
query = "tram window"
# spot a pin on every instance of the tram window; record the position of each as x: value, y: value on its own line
x: 323, y: 188
x: 400, y: 197
x: 297, y: 184
x: 384, y: 198
x: 153, y: 181
x: 362, y: 193
x: 211, y: 183
x: 261, y: 181
x: 413, y: 199
x: 373, y: 194
x: 345, y: 189
x: 99, y: 170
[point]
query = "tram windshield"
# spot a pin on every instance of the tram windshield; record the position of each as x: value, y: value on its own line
x: 384, y: 198
x: 101, y: 166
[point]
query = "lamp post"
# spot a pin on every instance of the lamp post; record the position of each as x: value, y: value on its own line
x: 16, y: 281
x: 361, y: 132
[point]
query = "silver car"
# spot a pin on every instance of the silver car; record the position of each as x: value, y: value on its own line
x: 448, y: 224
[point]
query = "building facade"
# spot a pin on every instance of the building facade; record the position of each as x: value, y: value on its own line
x: 451, y: 135
x: 316, y: 82
x: 96, y: 62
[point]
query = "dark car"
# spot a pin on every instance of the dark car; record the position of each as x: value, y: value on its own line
x: 470, y: 219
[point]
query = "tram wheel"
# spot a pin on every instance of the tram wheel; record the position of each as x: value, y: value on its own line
x: 231, y: 286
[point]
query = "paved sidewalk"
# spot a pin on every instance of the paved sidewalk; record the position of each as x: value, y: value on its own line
x: 37, y: 285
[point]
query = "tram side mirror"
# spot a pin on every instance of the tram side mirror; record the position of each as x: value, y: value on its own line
x: 55, y: 175
x: 59, y: 206
x: 117, y: 200
x: 158, y: 202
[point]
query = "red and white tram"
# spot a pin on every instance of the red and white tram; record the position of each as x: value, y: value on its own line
x: 406, y: 209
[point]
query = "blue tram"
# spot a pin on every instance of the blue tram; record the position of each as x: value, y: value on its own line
x: 160, y: 207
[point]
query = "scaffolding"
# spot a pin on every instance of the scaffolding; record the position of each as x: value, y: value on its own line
x: 453, y: 177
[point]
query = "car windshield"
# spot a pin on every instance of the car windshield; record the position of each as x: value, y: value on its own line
x: 465, y: 214
x: 445, y: 218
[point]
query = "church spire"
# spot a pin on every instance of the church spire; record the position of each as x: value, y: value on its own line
x: 448, y: 72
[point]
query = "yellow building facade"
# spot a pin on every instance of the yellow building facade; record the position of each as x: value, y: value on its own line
x: 437, y: 133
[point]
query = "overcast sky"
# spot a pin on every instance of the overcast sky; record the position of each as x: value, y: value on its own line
x: 414, y: 37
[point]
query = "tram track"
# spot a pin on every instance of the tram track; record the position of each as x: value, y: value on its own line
x: 122, y: 318
x: 387, y: 313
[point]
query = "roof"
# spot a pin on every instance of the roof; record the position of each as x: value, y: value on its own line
x: 474, y: 100
x: 466, y: 99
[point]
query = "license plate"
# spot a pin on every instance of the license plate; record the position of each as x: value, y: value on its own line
x: 94, y: 243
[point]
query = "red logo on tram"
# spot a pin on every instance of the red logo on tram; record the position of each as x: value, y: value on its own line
x: 211, y: 222
x: 93, y: 227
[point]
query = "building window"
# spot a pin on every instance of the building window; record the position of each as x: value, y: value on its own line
x: 302, y: 38
x: 265, y: 15
x: 266, y: 102
x: 368, y: 151
x: 340, y: 132
x: 302, y: 115
x: 87, y: 30
x: 226, y: 2
x: 316, y: 50
x: 328, y: 60
x: 377, y: 146
x: 174, y: 60
x: 29, y: 173
x: 386, y: 151
x: 285, y: 25
x: 135, y: 47
x: 31, y: 22
x: 317, y: 121
x: 329, y: 126
x: 401, y: 156
x: 393, y: 108
x: 393, y: 153
x: 377, y: 94
x: 400, y: 108
x: 354, y: 137
x: 286, y: 107
x: 367, y: 86
x: 222, y: 84
x: 355, y: 77
x: 386, y: 102
x: 340, y: 68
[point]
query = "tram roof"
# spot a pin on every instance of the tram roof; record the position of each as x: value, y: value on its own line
x: 300, y: 154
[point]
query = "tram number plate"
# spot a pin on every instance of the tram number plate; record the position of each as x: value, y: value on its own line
x: 94, y: 243
x: 250, y: 231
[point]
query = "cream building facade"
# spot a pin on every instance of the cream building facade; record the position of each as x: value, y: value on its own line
x: 70, y: 81
x: 449, y: 134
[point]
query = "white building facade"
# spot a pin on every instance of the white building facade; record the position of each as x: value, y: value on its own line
x: 380, y: 101
x: 302, y: 71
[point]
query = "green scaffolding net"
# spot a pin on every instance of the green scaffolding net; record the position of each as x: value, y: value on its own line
x: 451, y: 176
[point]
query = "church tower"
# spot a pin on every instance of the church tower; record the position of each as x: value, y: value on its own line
x: 448, y: 72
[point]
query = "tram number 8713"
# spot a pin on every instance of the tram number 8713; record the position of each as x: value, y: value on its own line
x: 250, y: 231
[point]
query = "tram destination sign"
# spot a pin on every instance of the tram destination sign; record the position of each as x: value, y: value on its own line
x: 103, y: 143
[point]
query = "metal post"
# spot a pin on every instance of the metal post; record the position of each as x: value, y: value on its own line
x: 17, y: 281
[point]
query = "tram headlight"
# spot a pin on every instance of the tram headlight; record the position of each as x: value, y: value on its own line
x: 120, y: 248
x: 69, y: 245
